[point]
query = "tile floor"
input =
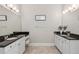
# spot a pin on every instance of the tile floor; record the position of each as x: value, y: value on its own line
x: 41, y: 50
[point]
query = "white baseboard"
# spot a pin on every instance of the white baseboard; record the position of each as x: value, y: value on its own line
x: 41, y: 44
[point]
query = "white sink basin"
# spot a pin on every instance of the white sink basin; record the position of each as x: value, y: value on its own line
x: 12, y: 38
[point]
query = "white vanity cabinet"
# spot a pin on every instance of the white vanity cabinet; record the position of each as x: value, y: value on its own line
x: 62, y: 44
x: 17, y: 47
x: 67, y: 46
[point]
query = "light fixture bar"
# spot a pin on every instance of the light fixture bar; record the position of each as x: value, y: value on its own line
x: 71, y: 9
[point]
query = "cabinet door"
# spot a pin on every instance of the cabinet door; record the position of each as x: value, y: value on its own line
x: 74, y: 46
x: 57, y: 40
x: 67, y: 47
x: 11, y: 49
x: 21, y: 45
x: 61, y: 45
x: 64, y: 46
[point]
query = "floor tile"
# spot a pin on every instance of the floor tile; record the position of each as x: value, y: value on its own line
x: 41, y: 50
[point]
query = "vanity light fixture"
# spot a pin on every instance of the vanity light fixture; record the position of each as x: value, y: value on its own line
x: 65, y: 11
x: 74, y: 7
x: 71, y: 9
x: 17, y: 10
x: 12, y: 8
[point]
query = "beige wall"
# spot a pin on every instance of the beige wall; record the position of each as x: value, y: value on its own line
x: 41, y: 31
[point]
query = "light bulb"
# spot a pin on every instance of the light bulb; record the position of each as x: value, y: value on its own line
x: 70, y: 8
x: 14, y: 8
x: 65, y: 11
x: 75, y: 6
x: 17, y: 10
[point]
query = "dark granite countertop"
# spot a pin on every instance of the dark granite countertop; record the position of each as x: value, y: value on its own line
x: 7, y: 42
x: 71, y: 37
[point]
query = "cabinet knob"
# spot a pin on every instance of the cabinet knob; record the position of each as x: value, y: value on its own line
x: 19, y: 44
x: 10, y: 46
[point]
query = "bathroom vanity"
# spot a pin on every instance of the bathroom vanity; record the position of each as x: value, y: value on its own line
x: 67, y: 44
x: 14, y: 44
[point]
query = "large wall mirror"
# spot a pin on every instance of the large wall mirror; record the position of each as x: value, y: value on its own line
x: 70, y: 17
